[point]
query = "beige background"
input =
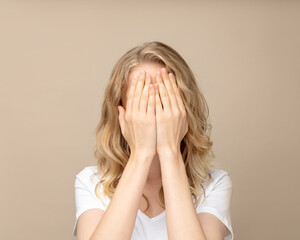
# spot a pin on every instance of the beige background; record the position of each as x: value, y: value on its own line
x: 56, y: 57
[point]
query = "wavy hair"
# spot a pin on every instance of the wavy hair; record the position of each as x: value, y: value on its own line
x: 112, y: 150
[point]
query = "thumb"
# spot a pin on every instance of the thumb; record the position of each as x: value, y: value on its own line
x: 121, y: 116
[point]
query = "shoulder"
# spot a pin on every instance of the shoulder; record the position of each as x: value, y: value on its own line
x: 85, y: 196
x: 219, y: 190
x: 220, y: 182
x: 86, y: 181
x: 88, y: 176
x: 87, y: 171
x: 220, y: 176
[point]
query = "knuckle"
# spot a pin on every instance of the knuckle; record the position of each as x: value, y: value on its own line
x: 148, y: 121
x: 168, y: 115
x: 138, y: 118
x: 171, y: 91
x: 163, y: 94
x: 176, y: 113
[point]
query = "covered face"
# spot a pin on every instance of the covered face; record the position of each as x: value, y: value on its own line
x: 151, y: 68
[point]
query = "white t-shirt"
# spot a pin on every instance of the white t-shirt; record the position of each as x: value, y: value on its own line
x: 218, y: 192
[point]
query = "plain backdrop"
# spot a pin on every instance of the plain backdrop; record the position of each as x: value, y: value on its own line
x: 55, y: 61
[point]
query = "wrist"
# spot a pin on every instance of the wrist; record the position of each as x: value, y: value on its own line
x: 169, y: 151
x: 142, y: 155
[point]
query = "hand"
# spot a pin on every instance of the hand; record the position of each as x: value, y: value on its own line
x: 171, y: 121
x: 138, y: 121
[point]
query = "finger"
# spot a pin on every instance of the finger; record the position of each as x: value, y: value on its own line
x: 169, y: 89
x: 138, y: 91
x: 158, y: 106
x: 130, y: 94
x: 150, y: 107
x: 121, y: 117
x: 177, y: 93
x: 145, y: 94
x: 163, y: 93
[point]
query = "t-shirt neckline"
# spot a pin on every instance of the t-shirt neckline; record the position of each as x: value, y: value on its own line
x: 153, y: 219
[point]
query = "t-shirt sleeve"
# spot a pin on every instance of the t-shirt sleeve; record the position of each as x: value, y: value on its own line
x: 217, y: 201
x: 85, y: 198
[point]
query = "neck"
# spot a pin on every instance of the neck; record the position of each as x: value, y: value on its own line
x: 154, y: 175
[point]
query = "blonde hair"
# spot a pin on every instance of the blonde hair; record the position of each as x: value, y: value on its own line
x: 112, y: 151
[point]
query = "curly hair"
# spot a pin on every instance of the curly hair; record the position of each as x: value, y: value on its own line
x: 112, y: 150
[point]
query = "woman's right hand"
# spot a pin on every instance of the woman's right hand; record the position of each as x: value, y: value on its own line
x: 137, y: 122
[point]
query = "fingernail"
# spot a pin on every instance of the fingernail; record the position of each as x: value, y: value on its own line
x: 151, y: 87
x: 147, y: 77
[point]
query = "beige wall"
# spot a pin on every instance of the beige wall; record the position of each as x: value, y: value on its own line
x: 56, y: 57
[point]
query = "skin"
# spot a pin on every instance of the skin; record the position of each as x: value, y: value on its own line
x: 154, y: 176
x: 171, y: 127
x: 149, y: 172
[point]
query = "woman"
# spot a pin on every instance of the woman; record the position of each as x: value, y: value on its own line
x: 154, y: 178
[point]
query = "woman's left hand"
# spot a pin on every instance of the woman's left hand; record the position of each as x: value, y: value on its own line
x: 171, y: 120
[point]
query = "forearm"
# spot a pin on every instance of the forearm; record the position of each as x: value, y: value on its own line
x: 117, y: 222
x: 181, y: 217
